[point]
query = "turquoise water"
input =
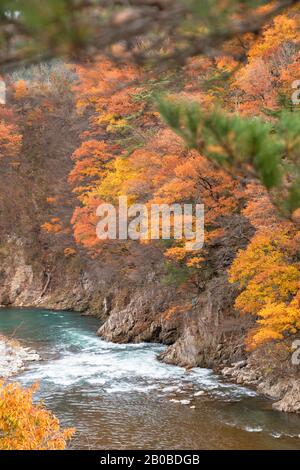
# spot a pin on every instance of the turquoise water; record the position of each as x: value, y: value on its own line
x: 121, y: 397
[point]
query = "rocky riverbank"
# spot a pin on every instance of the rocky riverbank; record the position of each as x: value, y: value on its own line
x: 285, y: 390
x: 14, y: 357
x: 199, y: 329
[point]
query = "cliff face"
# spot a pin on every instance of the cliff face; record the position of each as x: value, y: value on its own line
x: 127, y: 311
x: 200, y: 327
x: 200, y: 330
x: 212, y: 333
x: 127, y: 290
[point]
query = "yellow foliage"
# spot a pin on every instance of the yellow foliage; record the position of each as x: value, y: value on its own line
x: 113, y: 122
x: 28, y: 426
x: 275, y: 320
x: 262, y: 253
x: 119, y: 180
x: 271, y: 281
x: 282, y: 30
x: 195, y: 262
x: 269, y: 285
x: 176, y: 253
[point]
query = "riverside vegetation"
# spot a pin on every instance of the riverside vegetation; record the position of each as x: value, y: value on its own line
x: 218, y: 125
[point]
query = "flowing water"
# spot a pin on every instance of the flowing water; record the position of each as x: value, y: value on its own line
x: 121, y: 397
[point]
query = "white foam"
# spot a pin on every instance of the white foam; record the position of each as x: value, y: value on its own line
x: 253, y: 429
x: 172, y: 388
x: 198, y: 394
x: 123, y: 387
x: 80, y: 364
x: 87, y: 359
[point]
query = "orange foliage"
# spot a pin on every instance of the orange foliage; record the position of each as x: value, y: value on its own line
x: 54, y: 226
x: 28, y: 426
x: 21, y: 90
x: 259, y: 209
x: 107, y: 89
x: 257, y: 81
x: 125, y: 150
x: 282, y: 30
x: 51, y: 200
x: 107, y: 94
x: 159, y: 170
x: 90, y: 160
x: 10, y: 140
x: 84, y: 222
x: 271, y: 66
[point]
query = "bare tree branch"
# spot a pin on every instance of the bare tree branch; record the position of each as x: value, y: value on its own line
x: 110, y: 22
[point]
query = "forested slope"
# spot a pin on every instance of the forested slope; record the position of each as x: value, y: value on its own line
x: 221, y: 130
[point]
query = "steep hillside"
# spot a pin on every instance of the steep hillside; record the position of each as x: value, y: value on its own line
x: 75, y: 136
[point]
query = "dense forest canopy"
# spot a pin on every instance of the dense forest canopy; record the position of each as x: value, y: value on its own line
x: 229, y: 99
x: 226, y: 85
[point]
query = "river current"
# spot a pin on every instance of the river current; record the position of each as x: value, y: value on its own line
x: 121, y: 397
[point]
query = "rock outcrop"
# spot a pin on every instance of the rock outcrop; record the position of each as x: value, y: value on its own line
x: 200, y: 329
x: 285, y: 390
x: 142, y: 320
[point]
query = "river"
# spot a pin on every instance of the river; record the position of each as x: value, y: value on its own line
x: 121, y: 397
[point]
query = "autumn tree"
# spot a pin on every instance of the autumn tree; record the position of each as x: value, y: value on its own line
x: 233, y: 134
x: 262, y: 154
x: 10, y: 137
x: 28, y: 426
x: 106, y: 97
x: 11, y: 140
x: 244, y: 147
x: 264, y: 80
x: 269, y: 275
